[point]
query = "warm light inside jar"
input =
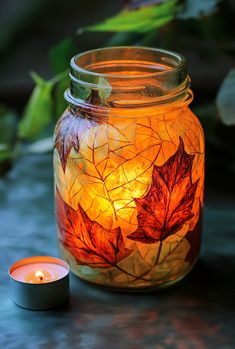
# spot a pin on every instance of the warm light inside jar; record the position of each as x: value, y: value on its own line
x: 129, y: 169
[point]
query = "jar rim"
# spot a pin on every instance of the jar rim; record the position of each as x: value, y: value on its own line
x: 127, y: 77
x: 179, y: 60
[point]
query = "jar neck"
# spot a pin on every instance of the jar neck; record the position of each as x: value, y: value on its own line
x: 128, y: 78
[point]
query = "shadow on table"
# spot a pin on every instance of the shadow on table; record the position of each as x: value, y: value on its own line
x: 209, y: 283
x: 196, y: 313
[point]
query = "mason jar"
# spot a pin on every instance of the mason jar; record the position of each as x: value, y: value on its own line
x: 129, y: 169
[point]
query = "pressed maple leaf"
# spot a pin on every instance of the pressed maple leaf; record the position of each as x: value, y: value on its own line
x: 168, y: 203
x: 74, y: 122
x: 68, y: 133
x: 88, y: 241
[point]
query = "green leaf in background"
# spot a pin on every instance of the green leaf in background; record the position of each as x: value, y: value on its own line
x: 61, y: 54
x: 38, y: 111
x: 198, y: 8
x: 225, y: 99
x: 59, y: 102
x: 140, y: 20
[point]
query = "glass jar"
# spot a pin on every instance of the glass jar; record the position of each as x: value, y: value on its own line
x: 129, y: 169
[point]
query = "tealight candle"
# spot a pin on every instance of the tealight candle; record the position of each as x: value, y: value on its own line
x: 40, y: 282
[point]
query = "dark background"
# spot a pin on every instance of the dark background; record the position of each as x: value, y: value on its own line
x: 29, y: 29
x: 199, y: 312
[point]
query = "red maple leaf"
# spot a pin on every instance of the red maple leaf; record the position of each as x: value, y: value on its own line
x: 168, y: 203
x: 68, y: 133
x: 88, y: 241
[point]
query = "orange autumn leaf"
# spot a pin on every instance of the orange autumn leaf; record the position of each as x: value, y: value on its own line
x: 168, y: 204
x: 87, y: 240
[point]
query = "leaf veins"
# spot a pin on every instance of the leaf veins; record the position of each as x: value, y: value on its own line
x: 87, y: 240
x: 168, y: 204
x: 68, y: 132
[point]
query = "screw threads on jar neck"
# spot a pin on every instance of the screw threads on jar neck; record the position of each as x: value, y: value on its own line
x: 128, y: 77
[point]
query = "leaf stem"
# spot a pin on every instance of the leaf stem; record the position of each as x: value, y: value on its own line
x: 158, y: 253
x: 59, y: 77
x: 156, y: 262
x: 129, y: 274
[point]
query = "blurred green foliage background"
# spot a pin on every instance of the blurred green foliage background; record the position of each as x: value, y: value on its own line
x: 38, y: 38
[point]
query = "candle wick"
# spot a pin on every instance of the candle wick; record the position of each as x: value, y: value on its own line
x: 39, y: 275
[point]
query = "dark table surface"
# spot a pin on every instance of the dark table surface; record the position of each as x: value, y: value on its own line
x: 197, y: 313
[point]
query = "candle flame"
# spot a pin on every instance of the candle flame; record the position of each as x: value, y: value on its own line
x: 39, y: 274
